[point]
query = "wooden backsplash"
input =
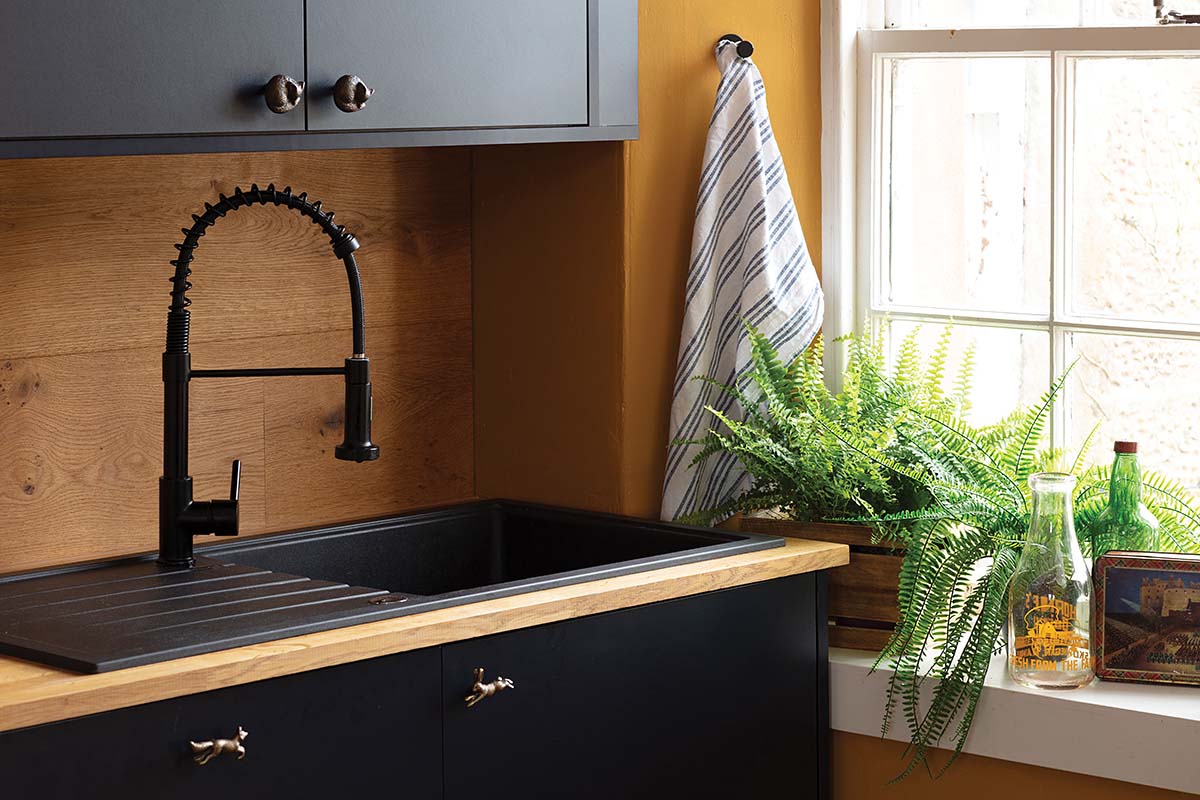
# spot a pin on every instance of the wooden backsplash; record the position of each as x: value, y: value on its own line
x: 84, y: 252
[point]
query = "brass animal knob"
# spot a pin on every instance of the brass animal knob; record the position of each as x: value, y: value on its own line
x: 481, y: 690
x: 350, y: 93
x: 204, y: 752
x: 283, y: 93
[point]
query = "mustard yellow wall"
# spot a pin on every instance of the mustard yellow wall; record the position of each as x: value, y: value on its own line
x: 580, y: 254
x: 678, y: 79
x: 863, y: 766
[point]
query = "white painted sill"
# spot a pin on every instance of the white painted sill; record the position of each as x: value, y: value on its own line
x: 1139, y: 733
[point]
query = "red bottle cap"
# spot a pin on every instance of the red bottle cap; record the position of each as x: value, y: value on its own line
x: 1124, y: 447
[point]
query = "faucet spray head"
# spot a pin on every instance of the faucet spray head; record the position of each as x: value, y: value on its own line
x: 356, y: 444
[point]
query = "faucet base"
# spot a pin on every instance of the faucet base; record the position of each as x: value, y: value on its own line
x: 174, y: 498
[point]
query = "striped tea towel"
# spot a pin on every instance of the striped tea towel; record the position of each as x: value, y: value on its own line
x: 749, y: 262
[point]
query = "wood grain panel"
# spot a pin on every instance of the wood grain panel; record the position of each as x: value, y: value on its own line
x: 31, y: 694
x: 856, y: 638
x: 866, y: 589
x: 84, y: 245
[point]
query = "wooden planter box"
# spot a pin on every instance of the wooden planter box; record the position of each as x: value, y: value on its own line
x: 862, y: 595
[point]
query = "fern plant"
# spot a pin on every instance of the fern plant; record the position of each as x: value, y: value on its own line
x: 893, y: 450
x: 791, y: 438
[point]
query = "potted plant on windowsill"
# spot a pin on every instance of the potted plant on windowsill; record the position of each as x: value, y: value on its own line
x: 892, y: 452
x: 805, y: 476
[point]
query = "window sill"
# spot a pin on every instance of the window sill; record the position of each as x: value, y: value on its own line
x: 1122, y: 731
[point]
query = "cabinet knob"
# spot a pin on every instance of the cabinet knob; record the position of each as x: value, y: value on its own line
x: 204, y: 752
x: 350, y: 93
x: 483, y: 690
x: 283, y: 93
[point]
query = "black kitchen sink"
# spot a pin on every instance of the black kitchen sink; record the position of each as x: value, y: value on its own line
x: 484, y: 547
x: 102, y: 617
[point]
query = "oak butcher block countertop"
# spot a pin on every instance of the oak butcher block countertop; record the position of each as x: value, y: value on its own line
x: 32, y: 694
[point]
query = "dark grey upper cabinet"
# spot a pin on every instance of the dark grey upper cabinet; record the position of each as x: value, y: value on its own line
x: 450, y: 63
x: 82, y: 68
x: 167, y: 76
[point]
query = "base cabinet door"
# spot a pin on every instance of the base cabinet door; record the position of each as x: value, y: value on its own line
x: 367, y: 729
x: 711, y: 696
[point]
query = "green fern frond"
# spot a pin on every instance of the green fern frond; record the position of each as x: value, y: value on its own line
x: 933, y: 388
x: 965, y: 382
x: 907, y: 369
x: 1081, y: 456
x: 1019, y: 456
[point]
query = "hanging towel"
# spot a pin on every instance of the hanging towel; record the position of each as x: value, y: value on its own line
x: 749, y: 262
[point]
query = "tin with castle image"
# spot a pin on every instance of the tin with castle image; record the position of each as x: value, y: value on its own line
x: 1148, y: 625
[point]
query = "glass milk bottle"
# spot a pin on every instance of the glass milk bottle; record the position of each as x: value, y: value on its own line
x: 1049, y: 599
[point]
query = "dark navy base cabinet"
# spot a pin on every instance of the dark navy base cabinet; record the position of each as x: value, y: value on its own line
x: 709, y: 696
x: 341, y: 732
x: 718, y: 695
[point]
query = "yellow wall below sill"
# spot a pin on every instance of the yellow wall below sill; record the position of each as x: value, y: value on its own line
x: 863, y: 766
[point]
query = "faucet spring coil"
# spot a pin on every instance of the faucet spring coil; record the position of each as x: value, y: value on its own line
x: 342, y: 241
x: 179, y: 325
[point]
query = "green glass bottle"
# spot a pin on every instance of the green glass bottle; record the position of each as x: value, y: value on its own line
x: 1126, y: 523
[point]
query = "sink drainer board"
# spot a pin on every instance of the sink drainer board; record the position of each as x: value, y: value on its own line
x: 101, y: 617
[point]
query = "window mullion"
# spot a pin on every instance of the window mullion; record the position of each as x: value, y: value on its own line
x: 1060, y: 133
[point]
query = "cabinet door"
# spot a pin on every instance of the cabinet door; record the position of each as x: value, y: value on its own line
x: 714, y: 696
x: 367, y: 729
x: 450, y: 63
x: 84, y: 68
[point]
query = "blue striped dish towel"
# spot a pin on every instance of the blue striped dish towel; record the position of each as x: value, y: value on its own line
x: 749, y: 262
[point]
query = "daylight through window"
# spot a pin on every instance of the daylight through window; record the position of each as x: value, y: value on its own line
x: 1039, y: 187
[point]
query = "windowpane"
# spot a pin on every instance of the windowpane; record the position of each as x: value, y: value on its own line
x: 1031, y: 13
x: 1138, y: 388
x: 993, y: 13
x: 962, y: 220
x: 1012, y: 367
x: 966, y: 193
x: 1124, y: 12
x: 1135, y: 191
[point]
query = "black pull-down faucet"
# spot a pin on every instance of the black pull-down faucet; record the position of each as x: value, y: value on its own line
x: 179, y: 516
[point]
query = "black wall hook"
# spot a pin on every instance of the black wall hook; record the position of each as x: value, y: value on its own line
x: 745, y: 49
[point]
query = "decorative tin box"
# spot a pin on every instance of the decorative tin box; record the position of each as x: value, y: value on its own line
x: 1146, y: 625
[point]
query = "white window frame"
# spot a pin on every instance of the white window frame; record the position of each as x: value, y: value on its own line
x: 851, y: 163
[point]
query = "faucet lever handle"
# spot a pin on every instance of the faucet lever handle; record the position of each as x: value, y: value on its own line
x: 222, y: 515
x: 235, y: 480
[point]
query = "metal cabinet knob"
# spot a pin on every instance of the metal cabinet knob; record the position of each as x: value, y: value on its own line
x: 483, y: 690
x: 283, y: 93
x: 204, y: 752
x: 350, y: 93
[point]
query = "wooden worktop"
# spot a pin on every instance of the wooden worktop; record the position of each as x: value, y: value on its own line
x: 31, y: 694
